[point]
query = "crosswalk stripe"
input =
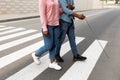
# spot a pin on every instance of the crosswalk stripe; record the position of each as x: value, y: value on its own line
x: 6, y: 28
x: 13, y: 30
x: 4, y: 61
x: 1, y: 26
x: 82, y: 70
x: 32, y: 70
x: 19, y: 41
x: 16, y: 34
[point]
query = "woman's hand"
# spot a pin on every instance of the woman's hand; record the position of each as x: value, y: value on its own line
x: 45, y: 33
x: 60, y: 10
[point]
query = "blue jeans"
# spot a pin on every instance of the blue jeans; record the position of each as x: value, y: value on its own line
x: 49, y: 42
x: 67, y: 28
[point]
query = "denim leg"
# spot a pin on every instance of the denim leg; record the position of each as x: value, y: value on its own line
x: 63, y: 31
x: 58, y: 44
x: 52, y: 51
x: 48, y: 42
x: 71, y: 36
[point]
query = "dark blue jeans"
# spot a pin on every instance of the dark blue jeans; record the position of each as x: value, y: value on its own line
x: 50, y: 42
x: 67, y: 28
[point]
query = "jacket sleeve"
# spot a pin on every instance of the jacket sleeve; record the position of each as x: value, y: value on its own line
x: 73, y: 3
x: 63, y: 5
x: 42, y: 11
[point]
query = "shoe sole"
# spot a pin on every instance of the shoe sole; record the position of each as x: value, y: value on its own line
x: 55, y: 69
x: 59, y: 61
x: 79, y: 60
x: 35, y: 60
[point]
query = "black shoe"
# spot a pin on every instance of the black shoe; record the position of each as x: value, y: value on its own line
x: 79, y: 58
x: 59, y: 59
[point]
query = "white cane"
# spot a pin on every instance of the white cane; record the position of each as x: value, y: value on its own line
x: 96, y: 36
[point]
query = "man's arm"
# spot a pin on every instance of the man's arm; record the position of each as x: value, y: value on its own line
x: 79, y: 16
x: 63, y: 5
x: 68, y: 11
x: 71, y: 7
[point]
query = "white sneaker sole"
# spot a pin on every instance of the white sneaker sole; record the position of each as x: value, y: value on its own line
x: 55, y: 68
x: 35, y: 60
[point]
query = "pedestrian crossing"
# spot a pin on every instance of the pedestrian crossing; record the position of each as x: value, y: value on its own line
x: 6, y: 28
x: 81, y: 70
x: 85, y: 68
x: 16, y: 34
x: 1, y: 26
x: 13, y: 30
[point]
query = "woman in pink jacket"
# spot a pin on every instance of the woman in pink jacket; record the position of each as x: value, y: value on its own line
x: 49, y: 15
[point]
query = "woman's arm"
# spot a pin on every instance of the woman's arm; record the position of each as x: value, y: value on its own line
x: 42, y: 11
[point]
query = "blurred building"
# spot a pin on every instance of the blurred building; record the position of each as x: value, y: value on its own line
x: 31, y: 6
x: 18, y: 6
x: 88, y: 4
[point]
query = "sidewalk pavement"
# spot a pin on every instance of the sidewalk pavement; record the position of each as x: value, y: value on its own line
x: 13, y: 17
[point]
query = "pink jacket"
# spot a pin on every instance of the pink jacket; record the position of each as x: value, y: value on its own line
x: 49, y: 13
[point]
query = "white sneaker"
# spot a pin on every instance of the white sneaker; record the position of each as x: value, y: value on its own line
x: 36, y: 59
x: 55, y: 66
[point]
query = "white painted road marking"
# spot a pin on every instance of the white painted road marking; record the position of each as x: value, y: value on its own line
x: 16, y: 34
x: 19, y: 41
x: 4, y: 61
x: 82, y: 70
x: 1, y: 29
x: 10, y: 31
x: 1, y: 26
x: 33, y: 70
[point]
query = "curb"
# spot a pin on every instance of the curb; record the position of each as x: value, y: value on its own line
x: 37, y: 16
x: 16, y: 19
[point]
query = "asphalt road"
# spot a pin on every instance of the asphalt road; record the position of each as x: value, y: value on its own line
x: 23, y: 37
